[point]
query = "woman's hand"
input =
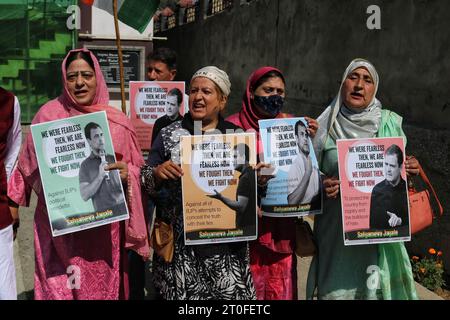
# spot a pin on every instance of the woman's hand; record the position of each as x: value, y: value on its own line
x: 264, y: 173
x: 122, y: 167
x: 412, y: 166
x: 167, y: 171
x: 313, y: 126
x: 331, y: 187
x: 260, y: 212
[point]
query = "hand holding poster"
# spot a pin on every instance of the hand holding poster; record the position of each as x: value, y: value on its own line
x: 373, y: 188
x: 219, y: 188
x: 79, y: 193
x: 154, y: 104
x: 295, y: 189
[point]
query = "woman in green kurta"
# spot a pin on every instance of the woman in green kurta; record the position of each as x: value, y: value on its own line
x: 376, y: 271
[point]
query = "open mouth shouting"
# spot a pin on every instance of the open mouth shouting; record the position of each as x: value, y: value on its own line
x: 198, y: 107
x: 357, y: 95
x: 81, y: 93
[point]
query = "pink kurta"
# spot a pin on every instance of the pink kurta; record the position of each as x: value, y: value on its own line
x: 89, y: 264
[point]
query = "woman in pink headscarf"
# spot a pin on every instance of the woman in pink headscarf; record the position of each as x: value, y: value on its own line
x: 89, y: 264
x: 272, y: 257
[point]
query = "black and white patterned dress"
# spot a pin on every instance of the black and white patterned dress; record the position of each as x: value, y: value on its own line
x: 213, y: 271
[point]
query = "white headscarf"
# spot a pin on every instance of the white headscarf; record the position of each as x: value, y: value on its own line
x: 342, y: 122
x: 219, y: 77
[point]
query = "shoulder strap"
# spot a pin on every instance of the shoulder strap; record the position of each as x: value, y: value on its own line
x: 427, y: 181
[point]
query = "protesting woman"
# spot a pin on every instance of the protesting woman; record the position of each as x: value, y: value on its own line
x: 89, y: 264
x: 338, y: 271
x: 272, y: 257
x: 212, y: 271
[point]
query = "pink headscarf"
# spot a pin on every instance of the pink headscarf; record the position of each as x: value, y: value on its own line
x: 247, y: 118
x: 276, y: 234
x: 125, y: 145
x: 249, y: 114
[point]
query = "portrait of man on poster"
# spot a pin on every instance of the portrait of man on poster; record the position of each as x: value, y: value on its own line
x: 245, y: 203
x: 389, y: 202
x: 305, y: 177
x: 173, y: 103
x: 101, y: 186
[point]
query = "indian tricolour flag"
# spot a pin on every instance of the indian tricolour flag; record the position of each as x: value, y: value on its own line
x: 134, y: 13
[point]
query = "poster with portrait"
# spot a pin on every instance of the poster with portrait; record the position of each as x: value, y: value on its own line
x: 295, y: 189
x: 154, y: 103
x: 219, y: 188
x: 374, y: 192
x: 72, y: 154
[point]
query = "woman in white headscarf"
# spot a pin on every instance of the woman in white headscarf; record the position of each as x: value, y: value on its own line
x: 213, y: 271
x: 346, y: 272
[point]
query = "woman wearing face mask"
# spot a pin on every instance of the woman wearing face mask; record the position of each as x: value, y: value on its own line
x: 376, y: 271
x: 88, y: 264
x: 272, y: 257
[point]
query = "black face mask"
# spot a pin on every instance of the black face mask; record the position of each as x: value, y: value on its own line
x: 271, y: 104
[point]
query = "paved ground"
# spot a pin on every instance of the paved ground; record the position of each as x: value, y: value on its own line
x: 303, y: 268
x: 24, y: 258
x: 24, y: 252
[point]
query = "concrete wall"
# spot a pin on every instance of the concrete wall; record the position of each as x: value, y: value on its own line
x: 313, y: 41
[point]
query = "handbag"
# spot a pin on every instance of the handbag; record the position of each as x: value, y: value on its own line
x: 162, y: 240
x: 304, y: 239
x: 420, y: 210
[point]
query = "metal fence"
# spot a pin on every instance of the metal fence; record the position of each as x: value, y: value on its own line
x: 192, y: 14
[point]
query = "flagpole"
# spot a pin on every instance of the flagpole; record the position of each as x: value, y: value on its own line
x: 119, y: 50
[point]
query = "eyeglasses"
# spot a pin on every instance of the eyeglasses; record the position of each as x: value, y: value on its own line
x: 73, y: 76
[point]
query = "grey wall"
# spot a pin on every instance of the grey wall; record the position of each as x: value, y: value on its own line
x: 313, y: 41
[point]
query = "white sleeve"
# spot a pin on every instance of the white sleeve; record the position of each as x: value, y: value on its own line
x: 14, y: 140
x: 294, y: 175
x: 186, y: 103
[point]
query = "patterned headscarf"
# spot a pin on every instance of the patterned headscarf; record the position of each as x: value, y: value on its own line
x: 219, y: 77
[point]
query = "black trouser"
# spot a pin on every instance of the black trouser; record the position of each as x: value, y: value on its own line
x: 138, y: 270
x: 136, y: 276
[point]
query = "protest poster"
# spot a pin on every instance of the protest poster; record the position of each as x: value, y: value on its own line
x: 71, y: 155
x: 152, y: 101
x: 219, y: 188
x: 295, y: 189
x: 374, y: 194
